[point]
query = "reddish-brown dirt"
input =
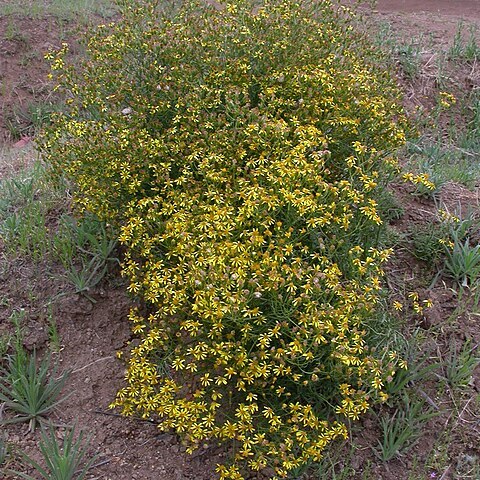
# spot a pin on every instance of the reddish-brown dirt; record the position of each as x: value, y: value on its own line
x: 460, y: 8
x: 23, y: 71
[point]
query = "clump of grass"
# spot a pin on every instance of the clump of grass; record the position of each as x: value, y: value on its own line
x: 419, y: 370
x: 64, y: 460
x: 453, y: 161
x: 426, y: 242
x: 85, y: 248
x: 26, y: 201
x: 459, y: 366
x: 29, y: 390
x: 464, y: 48
x: 463, y: 262
x: 407, y: 55
x: 403, y: 428
x: 29, y: 120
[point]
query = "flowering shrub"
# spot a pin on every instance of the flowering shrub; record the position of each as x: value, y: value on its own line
x: 240, y: 149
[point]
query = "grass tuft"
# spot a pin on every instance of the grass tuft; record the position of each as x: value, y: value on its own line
x: 403, y: 428
x: 65, y: 460
x: 459, y: 366
x: 29, y: 390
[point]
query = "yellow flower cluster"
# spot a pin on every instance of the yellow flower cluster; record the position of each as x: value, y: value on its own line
x: 419, y: 179
x: 417, y: 305
x: 446, y: 99
x: 240, y: 151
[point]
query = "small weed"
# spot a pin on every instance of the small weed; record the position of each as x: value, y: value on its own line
x: 426, y: 242
x: 65, y: 460
x: 473, y: 108
x: 27, y: 233
x: 53, y: 332
x: 459, y: 366
x: 463, y: 262
x: 27, y: 121
x: 418, y: 370
x: 409, y: 58
x: 393, y: 238
x: 462, y: 228
x: 406, y: 55
x: 468, y: 467
x: 367, y: 473
x: 442, y: 77
x: 30, y: 391
x: 85, y: 248
x: 39, y: 114
x: 5, y: 341
x: 389, y: 206
x: 28, y: 57
x: 335, y: 466
x: 402, y: 429
x: 17, y: 318
x: 25, y: 203
x: 384, y: 37
x: 456, y: 50
x: 12, y: 33
x: 464, y: 49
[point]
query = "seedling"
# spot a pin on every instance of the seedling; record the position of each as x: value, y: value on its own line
x: 402, y: 429
x: 459, y: 366
x: 53, y: 333
x: 463, y: 262
x: 85, y: 249
x: 462, y: 49
x: 64, y: 460
x: 30, y: 391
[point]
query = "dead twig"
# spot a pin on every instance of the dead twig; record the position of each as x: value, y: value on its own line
x: 92, y: 363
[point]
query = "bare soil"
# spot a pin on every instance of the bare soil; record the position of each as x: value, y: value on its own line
x: 467, y: 9
x: 23, y: 70
x: 92, y: 333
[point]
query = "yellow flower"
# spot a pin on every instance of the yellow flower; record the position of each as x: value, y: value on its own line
x: 397, y: 306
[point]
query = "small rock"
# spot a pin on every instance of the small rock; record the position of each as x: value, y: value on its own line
x: 22, y: 142
x: 36, y: 337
